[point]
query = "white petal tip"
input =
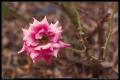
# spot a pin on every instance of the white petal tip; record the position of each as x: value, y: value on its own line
x: 55, y: 56
x: 33, y: 61
x: 44, y: 21
x: 35, y: 21
x: 57, y: 23
x: 19, y: 52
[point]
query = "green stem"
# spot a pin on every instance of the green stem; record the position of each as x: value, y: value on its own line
x: 72, y: 12
x: 108, y: 34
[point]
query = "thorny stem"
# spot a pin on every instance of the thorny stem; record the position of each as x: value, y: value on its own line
x: 72, y: 12
x: 80, y: 27
x: 76, y: 50
x: 109, y: 33
x: 80, y: 51
x: 74, y: 15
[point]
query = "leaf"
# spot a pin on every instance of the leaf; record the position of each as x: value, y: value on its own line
x: 5, y: 10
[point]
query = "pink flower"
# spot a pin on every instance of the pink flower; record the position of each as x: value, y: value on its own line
x: 42, y: 41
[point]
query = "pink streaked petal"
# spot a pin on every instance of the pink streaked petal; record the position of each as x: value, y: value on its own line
x: 28, y: 34
x: 55, y: 52
x: 44, y: 21
x: 56, y: 37
x: 43, y: 55
x: 57, y: 23
x: 23, y: 48
x: 39, y: 35
x: 37, y: 59
x: 51, y: 25
x: 24, y: 31
x: 30, y: 39
x: 55, y: 28
x: 48, y: 59
x: 32, y: 43
x: 35, y: 22
x: 55, y: 45
x: 30, y: 49
x: 63, y: 45
x: 46, y: 52
x: 34, y: 55
x: 58, y: 28
x: 38, y: 25
x: 43, y: 46
x: 51, y: 34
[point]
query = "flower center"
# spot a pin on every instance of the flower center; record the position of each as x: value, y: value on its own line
x: 44, y: 40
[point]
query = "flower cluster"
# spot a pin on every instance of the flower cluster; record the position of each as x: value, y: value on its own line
x: 42, y: 40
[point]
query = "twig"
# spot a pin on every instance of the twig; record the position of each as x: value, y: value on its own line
x: 77, y: 50
x: 73, y: 14
x: 108, y: 34
x: 100, y: 30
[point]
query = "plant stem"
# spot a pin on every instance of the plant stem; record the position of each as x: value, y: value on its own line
x: 108, y: 33
x: 73, y: 14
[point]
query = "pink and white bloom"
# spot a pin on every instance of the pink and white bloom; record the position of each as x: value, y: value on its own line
x: 42, y: 40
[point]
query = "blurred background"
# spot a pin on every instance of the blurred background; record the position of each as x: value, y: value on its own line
x: 18, y: 15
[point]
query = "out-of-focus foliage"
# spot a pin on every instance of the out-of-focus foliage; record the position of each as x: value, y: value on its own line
x: 5, y: 10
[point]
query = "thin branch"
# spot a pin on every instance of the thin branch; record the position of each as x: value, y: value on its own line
x: 77, y: 50
x: 108, y: 33
x: 73, y: 14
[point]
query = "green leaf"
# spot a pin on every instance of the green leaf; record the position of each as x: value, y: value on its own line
x: 5, y: 10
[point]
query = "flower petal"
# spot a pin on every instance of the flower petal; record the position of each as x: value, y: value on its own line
x: 55, y: 52
x: 48, y: 59
x: 39, y: 35
x: 35, y: 22
x: 24, y: 31
x: 55, y: 28
x: 23, y: 48
x: 44, y: 21
x: 56, y: 37
x: 43, y: 47
x: 30, y: 38
x: 63, y: 45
